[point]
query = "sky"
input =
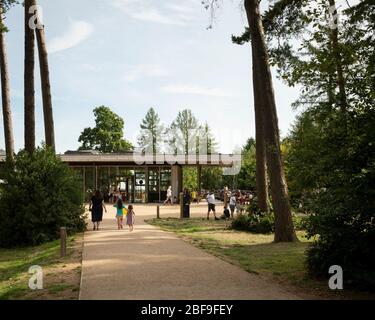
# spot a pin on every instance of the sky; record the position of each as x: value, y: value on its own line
x: 131, y: 55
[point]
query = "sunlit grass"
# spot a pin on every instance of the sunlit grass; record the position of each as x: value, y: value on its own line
x: 15, y: 263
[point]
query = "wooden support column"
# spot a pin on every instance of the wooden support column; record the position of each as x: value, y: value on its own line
x: 181, y: 205
x: 96, y: 177
x: 84, y: 182
x: 176, y: 181
x: 147, y: 183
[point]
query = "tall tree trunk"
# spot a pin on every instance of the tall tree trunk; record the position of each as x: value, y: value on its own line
x: 46, y: 86
x: 338, y: 60
x: 261, y: 171
x: 5, y: 93
x: 29, y: 94
x: 284, y: 228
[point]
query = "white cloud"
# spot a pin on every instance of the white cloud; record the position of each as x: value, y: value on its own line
x: 195, y: 90
x: 78, y: 32
x: 153, y: 15
x: 179, y: 7
x: 151, y: 11
x: 144, y: 71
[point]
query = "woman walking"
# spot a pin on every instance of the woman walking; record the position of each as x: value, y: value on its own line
x: 96, y: 208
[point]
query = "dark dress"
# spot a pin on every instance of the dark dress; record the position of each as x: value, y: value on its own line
x: 187, y: 200
x: 97, y: 209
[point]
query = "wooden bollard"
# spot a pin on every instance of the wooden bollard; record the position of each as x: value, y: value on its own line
x: 63, y: 237
x: 158, y: 212
x: 181, y: 205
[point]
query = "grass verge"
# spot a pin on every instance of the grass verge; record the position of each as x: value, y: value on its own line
x: 256, y: 253
x: 61, y: 276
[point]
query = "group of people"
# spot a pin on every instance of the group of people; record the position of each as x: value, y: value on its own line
x: 194, y: 196
x: 97, y: 206
x: 233, y: 201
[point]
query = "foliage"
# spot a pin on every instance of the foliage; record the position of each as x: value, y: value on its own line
x: 107, y: 135
x: 254, y: 223
x: 183, y: 133
x: 330, y: 152
x: 186, y: 136
x: 40, y: 195
x: 301, y: 222
x: 190, y: 178
x: 334, y: 185
x: 5, y: 5
x: 151, y: 134
x: 246, y: 178
x: 254, y: 220
x: 206, y: 143
x: 212, y: 178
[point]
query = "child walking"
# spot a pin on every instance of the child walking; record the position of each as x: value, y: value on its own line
x: 120, y: 208
x: 130, y: 218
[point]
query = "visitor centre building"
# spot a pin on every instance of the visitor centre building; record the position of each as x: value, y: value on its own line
x: 141, y: 178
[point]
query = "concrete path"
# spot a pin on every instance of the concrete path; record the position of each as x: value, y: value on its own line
x: 150, y: 264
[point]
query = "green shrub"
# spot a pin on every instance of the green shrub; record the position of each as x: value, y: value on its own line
x: 254, y: 220
x: 301, y: 222
x: 40, y: 195
x: 332, y: 168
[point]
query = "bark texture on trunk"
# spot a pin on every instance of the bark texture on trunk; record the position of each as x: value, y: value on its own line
x: 261, y: 166
x: 338, y: 62
x: 5, y: 94
x: 46, y: 87
x: 284, y: 228
x: 29, y: 94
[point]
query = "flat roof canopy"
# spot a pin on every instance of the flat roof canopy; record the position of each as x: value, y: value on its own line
x: 137, y: 159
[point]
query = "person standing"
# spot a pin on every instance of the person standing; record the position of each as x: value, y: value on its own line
x: 232, y: 204
x: 169, y: 196
x: 96, y: 208
x: 225, y: 196
x: 211, y: 205
x: 187, y: 201
x: 194, y: 196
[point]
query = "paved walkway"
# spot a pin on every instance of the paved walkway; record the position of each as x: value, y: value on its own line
x: 150, y: 264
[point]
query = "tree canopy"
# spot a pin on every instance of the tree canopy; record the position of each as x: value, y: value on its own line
x: 108, y: 134
x: 151, y: 134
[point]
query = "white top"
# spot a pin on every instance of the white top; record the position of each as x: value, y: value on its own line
x: 169, y: 192
x: 232, y: 201
x: 211, y: 198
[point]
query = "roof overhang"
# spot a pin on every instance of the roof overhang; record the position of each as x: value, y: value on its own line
x: 137, y: 159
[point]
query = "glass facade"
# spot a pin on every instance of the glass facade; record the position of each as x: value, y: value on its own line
x: 89, y: 173
x: 140, y: 186
x: 165, y: 181
x: 136, y: 184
